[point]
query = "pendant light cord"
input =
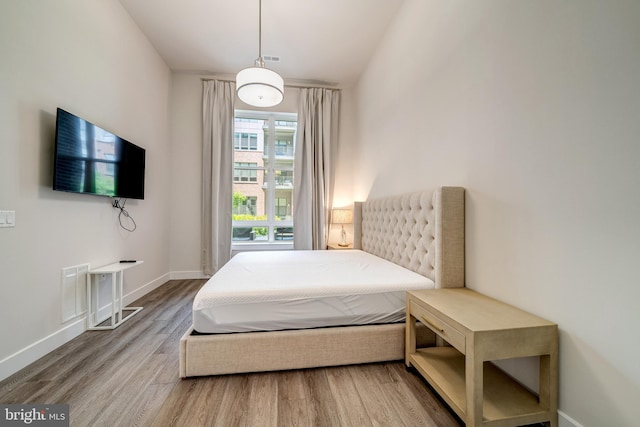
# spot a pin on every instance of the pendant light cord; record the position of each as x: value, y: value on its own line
x: 260, y: 30
x: 259, y: 61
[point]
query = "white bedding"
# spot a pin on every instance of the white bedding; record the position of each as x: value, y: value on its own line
x: 266, y: 291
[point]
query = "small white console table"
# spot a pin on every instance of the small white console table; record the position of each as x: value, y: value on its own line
x: 116, y: 270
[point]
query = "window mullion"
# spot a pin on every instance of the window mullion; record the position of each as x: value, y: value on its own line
x: 271, y: 187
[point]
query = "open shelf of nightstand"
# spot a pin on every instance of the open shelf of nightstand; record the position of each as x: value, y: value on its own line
x: 504, y: 398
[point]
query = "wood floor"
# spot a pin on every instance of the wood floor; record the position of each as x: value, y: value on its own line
x: 129, y: 377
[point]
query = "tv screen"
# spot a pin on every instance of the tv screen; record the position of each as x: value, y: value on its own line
x: 91, y: 160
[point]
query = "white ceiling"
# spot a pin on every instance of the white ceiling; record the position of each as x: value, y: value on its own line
x: 318, y: 41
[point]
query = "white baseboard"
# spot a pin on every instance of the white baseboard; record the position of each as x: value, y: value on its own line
x: 185, y: 275
x: 565, y: 420
x: 12, y: 364
x: 145, y: 289
x: 22, y: 358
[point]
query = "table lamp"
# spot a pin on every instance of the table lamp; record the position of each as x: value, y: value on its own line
x: 342, y: 216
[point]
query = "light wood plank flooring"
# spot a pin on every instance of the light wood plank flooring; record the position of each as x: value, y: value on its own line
x: 129, y: 377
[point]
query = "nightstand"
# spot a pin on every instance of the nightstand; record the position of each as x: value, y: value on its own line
x: 479, y: 329
x: 337, y: 247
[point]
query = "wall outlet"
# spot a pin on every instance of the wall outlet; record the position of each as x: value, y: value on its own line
x: 7, y: 219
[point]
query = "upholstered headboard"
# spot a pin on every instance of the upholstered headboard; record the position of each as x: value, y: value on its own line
x: 422, y: 231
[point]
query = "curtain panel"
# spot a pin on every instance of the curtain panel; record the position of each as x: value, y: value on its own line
x: 316, y: 149
x: 217, y: 173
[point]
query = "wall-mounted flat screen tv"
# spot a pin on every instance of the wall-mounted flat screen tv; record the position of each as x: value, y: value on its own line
x: 91, y: 160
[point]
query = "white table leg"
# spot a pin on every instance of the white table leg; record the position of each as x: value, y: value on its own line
x: 120, y: 302
x: 113, y: 299
x: 89, y: 305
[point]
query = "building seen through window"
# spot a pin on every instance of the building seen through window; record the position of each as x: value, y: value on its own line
x: 263, y: 176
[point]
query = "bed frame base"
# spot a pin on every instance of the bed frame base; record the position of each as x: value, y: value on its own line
x: 219, y: 354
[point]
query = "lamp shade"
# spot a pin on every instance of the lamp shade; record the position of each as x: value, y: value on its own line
x: 341, y: 216
x: 260, y: 87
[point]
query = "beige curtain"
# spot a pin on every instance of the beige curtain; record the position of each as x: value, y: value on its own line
x: 316, y: 148
x: 217, y: 173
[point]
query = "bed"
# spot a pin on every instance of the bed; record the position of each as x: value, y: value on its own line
x: 351, y: 309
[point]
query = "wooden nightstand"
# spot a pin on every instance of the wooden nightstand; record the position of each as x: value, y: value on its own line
x: 481, y: 329
x: 335, y: 246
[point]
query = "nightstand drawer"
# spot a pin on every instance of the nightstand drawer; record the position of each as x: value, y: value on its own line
x: 439, y: 326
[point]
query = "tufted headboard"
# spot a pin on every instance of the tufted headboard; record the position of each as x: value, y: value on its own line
x: 422, y: 231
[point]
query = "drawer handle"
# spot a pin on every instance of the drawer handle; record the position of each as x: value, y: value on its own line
x: 431, y: 325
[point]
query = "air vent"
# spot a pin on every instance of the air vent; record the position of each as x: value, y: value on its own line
x: 73, y: 289
x: 271, y: 58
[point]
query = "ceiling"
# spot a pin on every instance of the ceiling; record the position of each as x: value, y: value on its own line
x: 318, y: 41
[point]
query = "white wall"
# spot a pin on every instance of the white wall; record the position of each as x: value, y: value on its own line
x: 533, y: 107
x: 186, y: 171
x: 92, y: 60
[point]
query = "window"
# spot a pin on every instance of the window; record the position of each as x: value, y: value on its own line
x: 245, y: 141
x: 284, y: 148
x: 110, y: 168
x: 263, y: 176
x: 245, y: 172
x: 282, y: 206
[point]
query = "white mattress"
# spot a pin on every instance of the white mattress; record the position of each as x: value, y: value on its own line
x: 276, y: 290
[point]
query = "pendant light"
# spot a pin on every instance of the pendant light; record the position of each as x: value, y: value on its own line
x: 259, y: 86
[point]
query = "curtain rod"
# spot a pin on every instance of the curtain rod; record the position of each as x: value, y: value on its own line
x: 292, y: 85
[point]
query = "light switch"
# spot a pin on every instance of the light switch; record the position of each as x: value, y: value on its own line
x: 7, y: 219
